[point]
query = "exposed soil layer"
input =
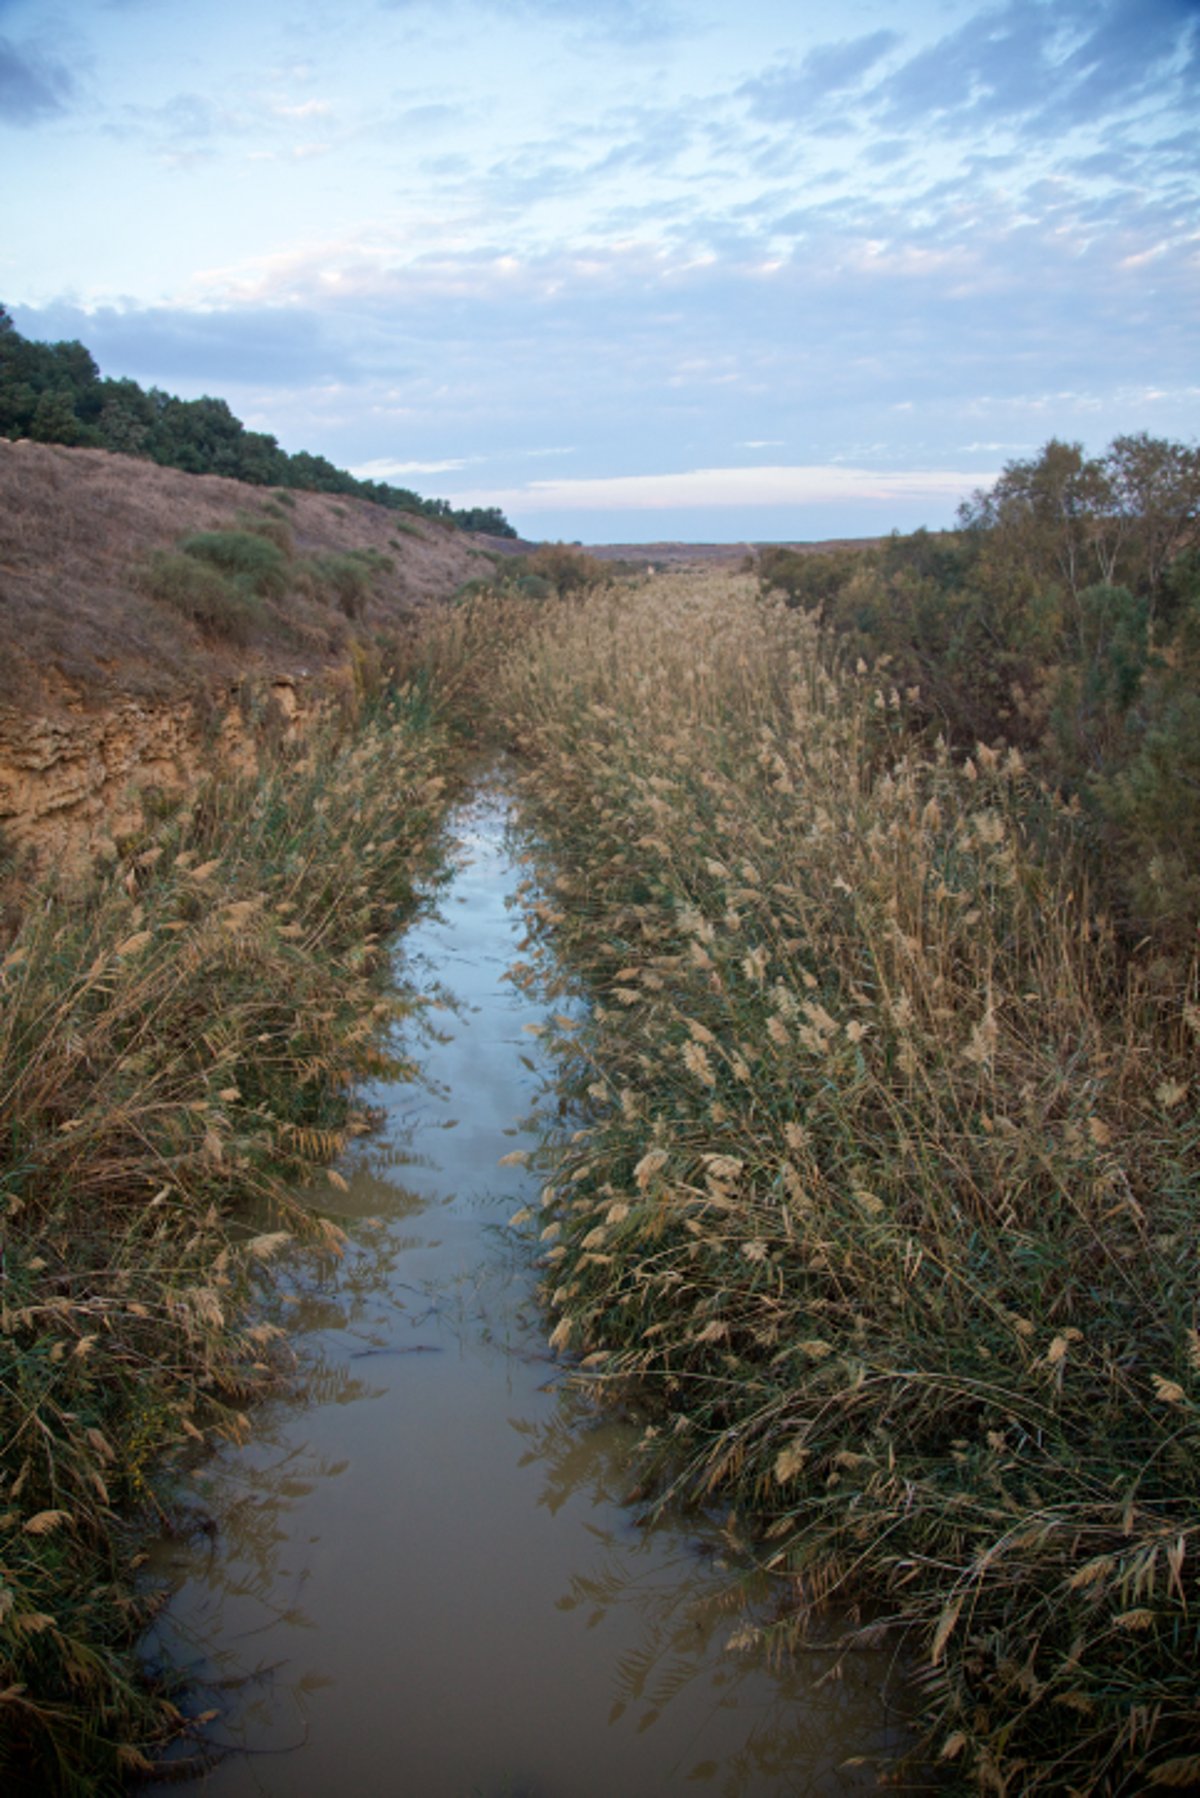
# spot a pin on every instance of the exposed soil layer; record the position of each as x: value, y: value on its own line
x: 107, y: 692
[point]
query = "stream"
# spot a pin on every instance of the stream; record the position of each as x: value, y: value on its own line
x: 424, y: 1582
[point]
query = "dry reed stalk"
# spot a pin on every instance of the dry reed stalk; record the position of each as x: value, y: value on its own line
x: 178, y: 1051
x: 880, y: 1190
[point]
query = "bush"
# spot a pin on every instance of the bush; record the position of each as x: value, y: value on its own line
x: 253, y: 560
x: 810, y: 579
x: 270, y: 523
x: 1154, y: 801
x: 567, y: 568
x: 216, y: 605
x: 346, y: 580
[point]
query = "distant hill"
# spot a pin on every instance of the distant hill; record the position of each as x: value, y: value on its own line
x: 715, y: 555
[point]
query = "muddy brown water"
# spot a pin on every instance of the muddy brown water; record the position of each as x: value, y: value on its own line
x: 424, y: 1582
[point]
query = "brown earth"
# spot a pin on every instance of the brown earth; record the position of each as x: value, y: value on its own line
x: 76, y: 524
x: 106, y: 692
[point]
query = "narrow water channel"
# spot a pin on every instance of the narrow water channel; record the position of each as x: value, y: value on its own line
x: 425, y: 1583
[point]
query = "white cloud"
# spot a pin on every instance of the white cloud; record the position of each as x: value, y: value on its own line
x: 383, y: 468
x: 706, y: 487
x: 304, y: 109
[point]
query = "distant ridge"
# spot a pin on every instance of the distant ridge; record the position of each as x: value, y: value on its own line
x: 714, y: 555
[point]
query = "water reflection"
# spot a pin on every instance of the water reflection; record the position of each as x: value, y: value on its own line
x: 424, y: 1580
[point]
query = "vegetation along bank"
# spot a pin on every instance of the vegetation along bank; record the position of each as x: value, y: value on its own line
x: 878, y: 1198
x: 179, y: 1042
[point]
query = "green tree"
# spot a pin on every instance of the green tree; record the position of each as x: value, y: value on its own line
x: 53, y: 391
x: 54, y: 420
x: 489, y: 520
x: 126, y: 418
x: 1050, y: 518
x: 1155, y: 486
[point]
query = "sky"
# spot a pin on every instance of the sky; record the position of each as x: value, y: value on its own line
x: 630, y: 269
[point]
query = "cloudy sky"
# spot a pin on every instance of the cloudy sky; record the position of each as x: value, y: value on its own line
x: 628, y: 268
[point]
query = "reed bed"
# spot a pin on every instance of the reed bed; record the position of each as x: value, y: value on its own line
x: 877, y: 1191
x: 178, y: 1045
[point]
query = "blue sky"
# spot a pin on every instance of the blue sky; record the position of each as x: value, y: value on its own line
x: 630, y: 269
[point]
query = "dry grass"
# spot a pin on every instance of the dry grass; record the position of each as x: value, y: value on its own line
x: 178, y: 1046
x: 880, y: 1188
x: 75, y: 622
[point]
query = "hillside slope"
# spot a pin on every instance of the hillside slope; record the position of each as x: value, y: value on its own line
x: 114, y: 678
x: 77, y: 625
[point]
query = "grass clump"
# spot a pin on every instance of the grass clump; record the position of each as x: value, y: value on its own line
x: 219, y: 580
x: 246, y: 582
x: 879, y: 1193
x: 552, y: 570
x: 178, y: 1047
x: 205, y: 596
x: 252, y: 559
x: 271, y: 522
x: 346, y: 581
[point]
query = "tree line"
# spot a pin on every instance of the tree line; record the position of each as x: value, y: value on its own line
x: 55, y: 393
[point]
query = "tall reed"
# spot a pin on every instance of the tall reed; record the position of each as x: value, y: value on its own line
x: 879, y: 1188
x: 178, y: 1045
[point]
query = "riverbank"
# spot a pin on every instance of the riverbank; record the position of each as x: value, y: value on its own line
x: 426, y: 1578
x: 878, y: 1199
x: 880, y: 1187
x: 179, y: 1038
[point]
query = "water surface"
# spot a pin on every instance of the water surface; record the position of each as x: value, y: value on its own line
x: 425, y: 1581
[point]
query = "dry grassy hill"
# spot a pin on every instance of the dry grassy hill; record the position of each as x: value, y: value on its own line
x: 117, y: 673
x: 78, y: 625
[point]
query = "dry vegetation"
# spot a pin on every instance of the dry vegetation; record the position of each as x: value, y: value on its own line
x: 177, y: 1047
x: 878, y: 1197
x: 79, y: 620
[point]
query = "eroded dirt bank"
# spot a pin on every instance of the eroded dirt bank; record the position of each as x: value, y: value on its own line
x: 110, y: 687
x: 75, y: 784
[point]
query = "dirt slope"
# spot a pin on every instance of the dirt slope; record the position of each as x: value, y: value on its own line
x: 108, y: 693
x: 76, y: 627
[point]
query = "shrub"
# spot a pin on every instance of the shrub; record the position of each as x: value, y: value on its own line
x: 1154, y: 801
x: 473, y: 589
x: 566, y: 567
x: 1107, y: 662
x: 374, y: 559
x: 270, y: 523
x: 216, y: 605
x: 344, y: 580
x: 253, y: 560
x: 809, y: 578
